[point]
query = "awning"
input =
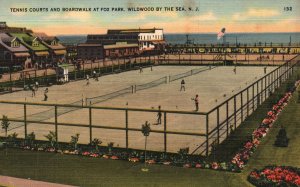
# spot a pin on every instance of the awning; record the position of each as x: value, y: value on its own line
x: 42, y: 53
x: 159, y: 42
x: 63, y: 65
x: 21, y: 54
x: 60, y: 52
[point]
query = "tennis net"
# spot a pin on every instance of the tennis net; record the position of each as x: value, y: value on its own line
x: 151, y: 84
x: 102, y: 98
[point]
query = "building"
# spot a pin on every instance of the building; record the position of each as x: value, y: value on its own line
x: 88, y: 51
x: 57, y: 52
x: 12, y: 51
x: 38, y: 51
x: 108, y: 39
x: 21, y: 46
x: 123, y: 43
x: 148, y: 39
x: 121, y: 49
x: 5, y: 29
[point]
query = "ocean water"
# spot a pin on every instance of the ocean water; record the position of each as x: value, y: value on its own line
x: 232, y: 38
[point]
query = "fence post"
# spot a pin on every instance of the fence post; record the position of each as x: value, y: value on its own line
x: 265, y: 88
x: 234, y: 107
x: 261, y: 90
x: 218, y: 124
x: 126, y: 126
x: 55, y: 117
x: 242, y: 107
x: 90, y: 123
x: 207, y: 143
x: 253, y: 97
x: 165, y: 132
x: 247, y: 101
x: 227, y: 115
x: 25, y: 120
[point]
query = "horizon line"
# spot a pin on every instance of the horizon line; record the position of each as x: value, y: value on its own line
x: 197, y: 33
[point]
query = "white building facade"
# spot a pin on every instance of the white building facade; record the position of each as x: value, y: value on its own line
x: 150, y: 39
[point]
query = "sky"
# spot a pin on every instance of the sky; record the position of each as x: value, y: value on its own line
x: 207, y: 16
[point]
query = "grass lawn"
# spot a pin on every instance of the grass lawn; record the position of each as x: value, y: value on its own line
x: 83, y: 171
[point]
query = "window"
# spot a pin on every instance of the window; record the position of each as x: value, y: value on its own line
x: 35, y: 43
x: 53, y: 42
x: 15, y: 44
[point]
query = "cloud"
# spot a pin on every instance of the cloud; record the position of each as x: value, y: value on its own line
x: 253, y: 13
x: 262, y: 12
x: 145, y: 15
x: 69, y: 29
x: 210, y: 16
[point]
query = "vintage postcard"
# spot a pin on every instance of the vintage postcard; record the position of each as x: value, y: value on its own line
x: 149, y: 93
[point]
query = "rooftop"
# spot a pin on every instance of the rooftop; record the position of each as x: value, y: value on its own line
x: 120, y: 31
x: 27, y: 39
x: 3, y: 41
x: 120, y: 45
x: 89, y: 45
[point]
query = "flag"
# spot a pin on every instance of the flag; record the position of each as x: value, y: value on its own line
x: 221, y: 34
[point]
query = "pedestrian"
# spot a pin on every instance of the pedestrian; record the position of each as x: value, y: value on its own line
x: 234, y: 69
x: 151, y: 68
x: 36, y: 85
x: 265, y: 70
x: 196, y: 99
x: 94, y: 74
x: 141, y: 69
x: 32, y: 90
x: 159, y: 114
x: 46, y: 94
x: 87, y: 80
x: 182, y: 87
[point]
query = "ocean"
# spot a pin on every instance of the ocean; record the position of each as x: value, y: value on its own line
x: 232, y: 38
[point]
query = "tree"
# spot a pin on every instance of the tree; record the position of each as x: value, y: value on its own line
x: 30, y: 139
x: 110, y: 146
x: 12, y: 138
x: 282, y: 139
x: 146, y: 132
x: 51, y: 137
x: 74, y: 140
x: 96, y: 142
x: 5, y: 124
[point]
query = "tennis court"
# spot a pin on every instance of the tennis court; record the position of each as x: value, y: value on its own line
x: 148, y: 89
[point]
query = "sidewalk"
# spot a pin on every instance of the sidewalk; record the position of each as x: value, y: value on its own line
x: 18, y: 182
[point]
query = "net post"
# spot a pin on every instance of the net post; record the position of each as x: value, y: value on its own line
x: 25, y: 121
x: 165, y: 132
